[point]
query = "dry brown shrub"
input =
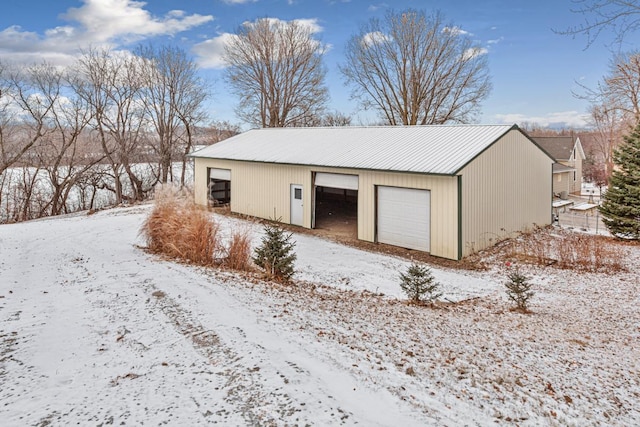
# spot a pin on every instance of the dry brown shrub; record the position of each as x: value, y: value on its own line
x: 537, y: 246
x: 565, y: 248
x: 599, y: 253
x: 178, y: 228
x: 569, y: 250
x: 238, y: 252
x: 531, y: 246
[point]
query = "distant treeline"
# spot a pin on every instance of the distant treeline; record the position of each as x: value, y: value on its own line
x: 104, y: 130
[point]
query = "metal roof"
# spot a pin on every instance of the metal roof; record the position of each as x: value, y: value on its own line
x: 433, y: 149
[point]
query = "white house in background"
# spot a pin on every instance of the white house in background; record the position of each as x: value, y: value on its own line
x: 567, y: 171
x: 446, y: 189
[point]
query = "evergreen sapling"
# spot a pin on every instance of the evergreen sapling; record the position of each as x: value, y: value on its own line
x: 275, y: 254
x: 419, y: 284
x: 519, y: 289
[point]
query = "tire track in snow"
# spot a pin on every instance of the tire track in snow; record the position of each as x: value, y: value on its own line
x: 244, y: 389
x: 275, y: 363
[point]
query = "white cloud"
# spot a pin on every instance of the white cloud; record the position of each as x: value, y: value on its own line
x: 456, y: 31
x: 572, y: 119
x: 210, y: 52
x: 376, y: 37
x: 474, y: 52
x: 376, y: 7
x: 97, y: 23
x: 239, y: 1
x: 104, y: 20
x: 312, y: 24
x: 495, y: 41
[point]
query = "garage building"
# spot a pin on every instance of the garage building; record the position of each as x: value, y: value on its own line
x: 445, y: 189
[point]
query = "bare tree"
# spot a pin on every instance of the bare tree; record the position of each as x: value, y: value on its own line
x: 26, y: 195
x: 111, y: 84
x: 8, y: 153
x: 51, y: 119
x: 622, y: 17
x: 609, y: 125
x: 62, y: 155
x: 7, y: 156
x: 174, y: 95
x: 620, y: 89
x: 23, y: 116
x: 276, y: 69
x: 615, y: 106
x: 336, y: 118
x: 415, y: 70
x: 593, y: 170
x: 216, y: 131
x: 25, y: 123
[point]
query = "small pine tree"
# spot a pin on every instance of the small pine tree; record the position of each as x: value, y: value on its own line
x: 275, y: 254
x: 621, y: 203
x: 419, y: 284
x: 519, y: 289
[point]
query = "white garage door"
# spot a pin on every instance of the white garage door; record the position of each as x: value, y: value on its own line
x: 403, y: 217
x: 222, y: 174
x: 336, y: 180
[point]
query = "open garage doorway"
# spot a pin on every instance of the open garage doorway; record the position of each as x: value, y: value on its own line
x: 219, y: 186
x: 336, y: 204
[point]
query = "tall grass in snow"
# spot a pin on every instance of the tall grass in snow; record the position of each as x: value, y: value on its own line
x: 238, y: 251
x: 178, y: 228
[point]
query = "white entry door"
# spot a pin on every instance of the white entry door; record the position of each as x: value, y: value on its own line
x: 403, y: 217
x: 296, y: 205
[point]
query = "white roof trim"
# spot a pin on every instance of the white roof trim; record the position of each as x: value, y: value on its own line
x: 578, y: 146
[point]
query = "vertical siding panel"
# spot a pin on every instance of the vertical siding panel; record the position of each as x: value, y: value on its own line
x: 505, y: 190
x: 259, y: 188
x: 443, y: 206
x: 200, y: 181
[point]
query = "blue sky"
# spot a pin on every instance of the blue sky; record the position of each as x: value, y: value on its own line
x: 533, y: 70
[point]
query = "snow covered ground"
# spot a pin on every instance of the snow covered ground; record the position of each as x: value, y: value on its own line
x: 95, y: 331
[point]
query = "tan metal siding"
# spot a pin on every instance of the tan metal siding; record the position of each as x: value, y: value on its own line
x: 258, y: 188
x: 444, y: 224
x: 504, y: 190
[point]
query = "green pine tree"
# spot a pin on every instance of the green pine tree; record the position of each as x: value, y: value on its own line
x: 275, y: 254
x: 419, y: 285
x: 519, y: 289
x: 621, y: 203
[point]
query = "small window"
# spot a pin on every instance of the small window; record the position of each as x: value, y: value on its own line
x: 574, y: 176
x: 297, y: 193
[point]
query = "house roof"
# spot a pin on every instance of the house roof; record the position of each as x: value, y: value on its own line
x: 433, y: 149
x: 560, y: 147
x: 560, y: 168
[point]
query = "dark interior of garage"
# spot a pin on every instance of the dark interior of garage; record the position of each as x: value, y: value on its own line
x: 219, y: 192
x: 336, y: 211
